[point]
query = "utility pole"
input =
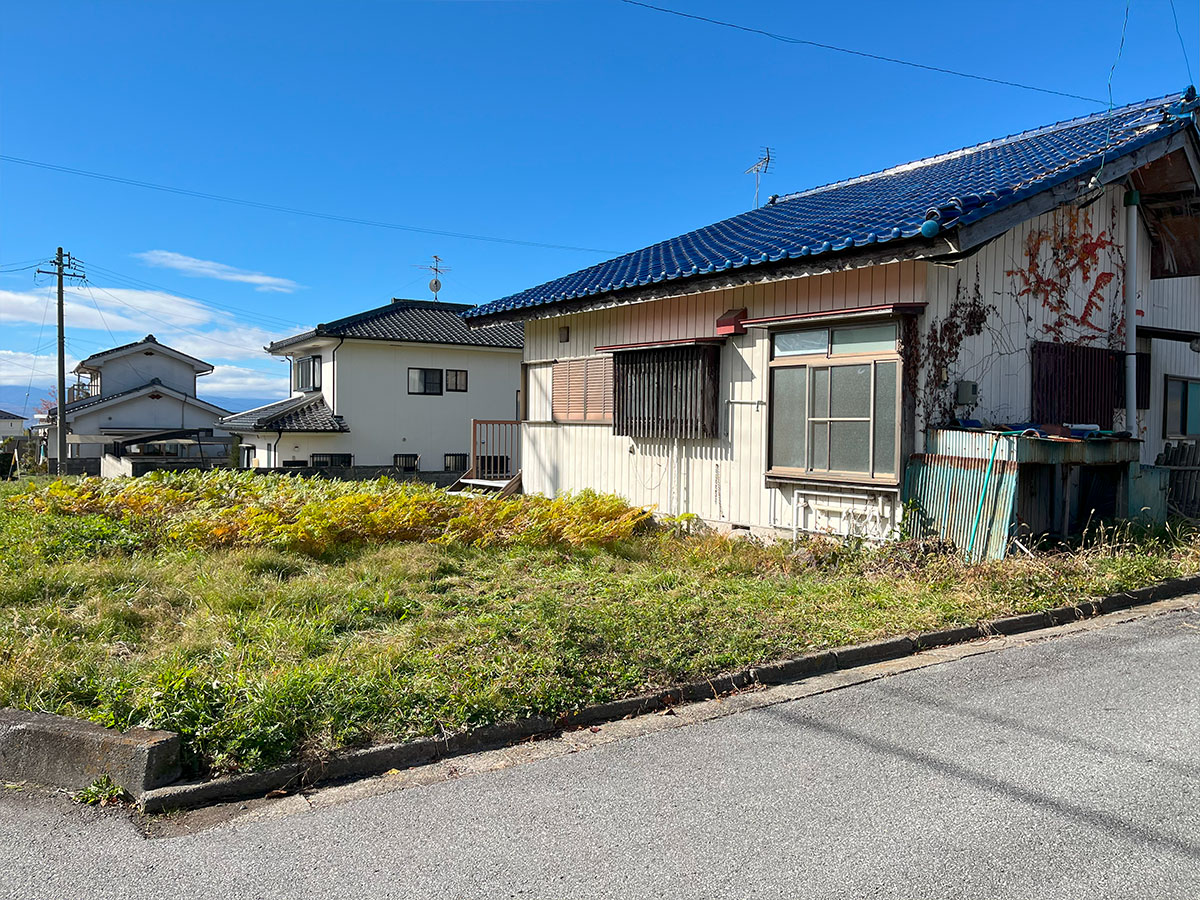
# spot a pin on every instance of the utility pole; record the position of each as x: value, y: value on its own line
x: 62, y: 262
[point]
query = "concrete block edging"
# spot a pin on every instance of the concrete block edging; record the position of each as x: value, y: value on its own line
x: 154, y: 795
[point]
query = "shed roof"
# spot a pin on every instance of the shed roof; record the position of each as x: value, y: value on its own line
x: 953, y: 189
x: 415, y: 322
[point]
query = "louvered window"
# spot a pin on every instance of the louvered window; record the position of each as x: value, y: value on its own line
x: 582, y: 390
x: 667, y: 392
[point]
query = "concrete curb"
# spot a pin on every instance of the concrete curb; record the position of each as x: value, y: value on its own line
x: 385, y: 757
x: 72, y: 753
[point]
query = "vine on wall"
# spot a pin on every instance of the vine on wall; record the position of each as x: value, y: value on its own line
x: 1072, y: 266
x: 937, y: 352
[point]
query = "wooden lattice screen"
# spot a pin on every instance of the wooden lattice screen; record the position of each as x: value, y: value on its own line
x: 667, y: 392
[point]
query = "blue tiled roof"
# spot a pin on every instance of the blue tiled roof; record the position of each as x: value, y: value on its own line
x: 954, y: 189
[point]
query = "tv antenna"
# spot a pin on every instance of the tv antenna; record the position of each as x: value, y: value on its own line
x: 759, y: 169
x: 435, y: 283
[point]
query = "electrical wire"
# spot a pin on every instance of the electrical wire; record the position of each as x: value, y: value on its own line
x: 33, y: 368
x: 1112, y: 70
x: 169, y: 324
x: 1182, y: 46
x: 860, y: 53
x: 254, y: 204
x: 263, y: 318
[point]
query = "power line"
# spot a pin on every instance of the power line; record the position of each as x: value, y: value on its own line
x: 254, y: 204
x: 173, y: 325
x: 1112, y: 71
x: 33, y: 367
x: 263, y: 318
x: 1182, y: 46
x: 860, y: 53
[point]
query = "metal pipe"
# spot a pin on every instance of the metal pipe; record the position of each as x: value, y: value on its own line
x: 1132, y: 199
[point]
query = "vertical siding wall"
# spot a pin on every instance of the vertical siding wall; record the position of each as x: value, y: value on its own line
x: 1173, y: 303
x: 999, y: 359
x: 721, y: 479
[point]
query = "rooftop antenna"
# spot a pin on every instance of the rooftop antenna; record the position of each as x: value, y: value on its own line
x: 435, y: 283
x: 759, y: 169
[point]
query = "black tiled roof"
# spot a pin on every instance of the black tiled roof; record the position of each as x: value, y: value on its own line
x: 148, y: 339
x: 304, y: 413
x: 8, y: 415
x: 415, y: 322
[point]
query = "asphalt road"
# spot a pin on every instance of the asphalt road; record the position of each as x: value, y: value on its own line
x: 1063, y: 768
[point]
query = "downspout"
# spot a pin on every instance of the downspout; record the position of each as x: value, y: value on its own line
x: 1132, y: 199
x: 333, y: 372
x: 275, y: 450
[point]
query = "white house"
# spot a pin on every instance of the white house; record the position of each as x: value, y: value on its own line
x: 392, y: 386
x: 818, y: 361
x: 144, y: 389
x: 11, y: 426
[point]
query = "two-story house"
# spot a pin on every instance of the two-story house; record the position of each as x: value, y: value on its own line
x: 143, y: 389
x: 392, y: 386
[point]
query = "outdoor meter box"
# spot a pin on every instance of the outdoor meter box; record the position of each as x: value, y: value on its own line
x: 967, y: 393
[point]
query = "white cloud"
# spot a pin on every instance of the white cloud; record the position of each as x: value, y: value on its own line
x: 207, y: 268
x: 238, y: 381
x: 102, y: 309
x: 16, y: 368
x: 234, y: 342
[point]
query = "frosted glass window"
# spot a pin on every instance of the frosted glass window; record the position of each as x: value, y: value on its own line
x: 884, y: 450
x: 850, y: 446
x: 800, y: 343
x: 789, y: 393
x: 850, y: 392
x: 820, y: 393
x: 820, y: 445
x: 842, y: 418
x: 865, y: 338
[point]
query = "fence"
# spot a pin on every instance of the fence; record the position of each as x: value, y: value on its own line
x: 495, y: 448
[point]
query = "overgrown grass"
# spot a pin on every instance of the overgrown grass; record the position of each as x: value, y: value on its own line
x: 257, y: 649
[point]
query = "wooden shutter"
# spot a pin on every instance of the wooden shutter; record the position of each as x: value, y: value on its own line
x: 1073, y: 384
x: 558, y: 392
x: 599, y: 389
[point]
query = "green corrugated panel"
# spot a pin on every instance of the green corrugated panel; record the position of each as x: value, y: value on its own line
x: 945, y: 496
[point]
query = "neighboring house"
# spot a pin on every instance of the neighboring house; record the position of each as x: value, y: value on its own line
x: 142, y: 390
x: 786, y: 368
x: 11, y: 426
x: 393, y: 386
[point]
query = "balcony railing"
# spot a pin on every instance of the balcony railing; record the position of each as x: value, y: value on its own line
x: 495, y: 448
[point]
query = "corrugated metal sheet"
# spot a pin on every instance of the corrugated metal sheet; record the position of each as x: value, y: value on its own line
x: 969, y: 501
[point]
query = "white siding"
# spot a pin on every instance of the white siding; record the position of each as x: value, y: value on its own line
x: 721, y: 480
x: 366, y: 383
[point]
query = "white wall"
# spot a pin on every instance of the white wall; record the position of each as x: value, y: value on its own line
x: 134, y: 415
x: 366, y: 383
x: 138, y: 368
x: 722, y: 480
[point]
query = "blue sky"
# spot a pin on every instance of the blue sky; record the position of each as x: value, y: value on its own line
x: 594, y: 124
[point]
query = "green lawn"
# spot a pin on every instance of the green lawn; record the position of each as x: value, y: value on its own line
x: 265, y: 618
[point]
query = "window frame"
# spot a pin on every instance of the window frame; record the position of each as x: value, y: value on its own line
x: 457, y: 373
x: 310, y: 365
x: 829, y: 360
x: 425, y: 392
x: 1167, y: 433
